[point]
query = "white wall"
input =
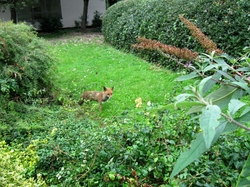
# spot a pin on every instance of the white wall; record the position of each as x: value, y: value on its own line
x: 94, y: 5
x: 73, y: 9
x: 5, y: 16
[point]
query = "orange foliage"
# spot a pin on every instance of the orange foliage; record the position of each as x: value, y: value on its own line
x: 205, y: 42
x: 184, y: 53
x: 144, y: 43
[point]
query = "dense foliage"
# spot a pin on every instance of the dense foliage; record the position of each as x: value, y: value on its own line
x: 70, y: 149
x: 13, y: 163
x: 217, y: 100
x: 26, y: 63
x: 159, y: 20
x: 50, y: 24
x: 72, y: 146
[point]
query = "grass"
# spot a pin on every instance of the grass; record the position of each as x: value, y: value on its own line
x: 90, y: 65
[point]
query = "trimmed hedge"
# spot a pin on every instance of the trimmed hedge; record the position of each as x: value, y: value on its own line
x: 226, y: 23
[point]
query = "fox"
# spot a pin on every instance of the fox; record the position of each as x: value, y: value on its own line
x: 98, y: 96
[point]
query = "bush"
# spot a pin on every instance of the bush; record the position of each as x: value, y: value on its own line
x: 26, y: 64
x: 159, y: 20
x: 50, y: 24
x: 81, y: 152
x: 13, y: 165
x: 97, y: 21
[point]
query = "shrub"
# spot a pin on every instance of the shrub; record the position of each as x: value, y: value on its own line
x: 81, y: 152
x: 26, y: 63
x: 50, y: 24
x: 159, y: 20
x: 97, y: 21
x: 13, y: 165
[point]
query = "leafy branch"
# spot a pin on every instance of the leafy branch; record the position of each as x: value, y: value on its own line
x: 223, y: 81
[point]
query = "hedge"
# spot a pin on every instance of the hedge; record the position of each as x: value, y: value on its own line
x: 226, y: 23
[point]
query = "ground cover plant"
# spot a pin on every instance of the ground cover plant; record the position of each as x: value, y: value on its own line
x: 124, y: 145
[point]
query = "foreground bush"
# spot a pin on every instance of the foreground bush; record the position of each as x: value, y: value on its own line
x: 26, y: 64
x: 13, y: 165
x: 81, y: 152
x: 226, y: 23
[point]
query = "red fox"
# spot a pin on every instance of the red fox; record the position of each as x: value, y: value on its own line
x: 97, y: 96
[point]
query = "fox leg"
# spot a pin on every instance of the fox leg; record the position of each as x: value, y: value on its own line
x: 80, y: 102
x: 100, y: 106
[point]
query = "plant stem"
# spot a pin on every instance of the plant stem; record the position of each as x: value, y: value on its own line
x: 235, y: 122
x: 192, y: 68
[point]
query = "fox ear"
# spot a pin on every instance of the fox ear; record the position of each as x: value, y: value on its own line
x: 113, y: 88
x: 104, y: 88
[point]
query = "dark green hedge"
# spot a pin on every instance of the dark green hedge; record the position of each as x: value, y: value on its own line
x: 225, y: 22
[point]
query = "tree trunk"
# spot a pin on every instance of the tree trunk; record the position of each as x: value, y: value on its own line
x: 13, y: 16
x: 84, y: 15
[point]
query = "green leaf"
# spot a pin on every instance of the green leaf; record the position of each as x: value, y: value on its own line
x: 244, y: 178
x: 243, y: 69
x: 187, y: 104
x: 243, y: 119
x: 182, y: 97
x: 226, y: 75
x: 211, y: 67
x: 246, y: 111
x: 230, y: 127
x: 187, y: 77
x: 195, y: 109
x: 243, y: 86
x: 222, y: 96
x: 156, y: 159
x: 209, y: 121
x: 198, y: 147
x: 235, y: 105
x: 112, y: 176
x: 203, y: 84
x: 183, y: 105
x: 222, y: 63
x: 209, y: 84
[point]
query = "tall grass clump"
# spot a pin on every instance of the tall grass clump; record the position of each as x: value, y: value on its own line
x: 26, y: 64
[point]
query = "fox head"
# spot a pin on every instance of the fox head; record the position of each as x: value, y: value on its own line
x: 108, y: 92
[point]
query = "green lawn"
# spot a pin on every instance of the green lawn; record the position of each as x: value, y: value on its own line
x: 90, y: 66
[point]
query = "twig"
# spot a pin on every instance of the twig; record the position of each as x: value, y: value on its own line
x: 235, y: 122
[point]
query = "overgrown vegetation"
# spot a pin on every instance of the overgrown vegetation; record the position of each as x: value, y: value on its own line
x: 226, y: 23
x: 136, y: 139
x: 97, y: 21
x: 217, y: 99
x: 27, y: 65
x: 51, y: 24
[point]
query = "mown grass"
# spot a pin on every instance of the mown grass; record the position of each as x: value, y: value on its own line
x: 90, y: 65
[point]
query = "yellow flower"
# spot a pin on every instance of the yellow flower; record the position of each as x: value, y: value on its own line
x: 138, y: 102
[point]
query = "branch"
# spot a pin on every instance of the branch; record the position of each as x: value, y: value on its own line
x: 192, y: 68
x: 235, y: 122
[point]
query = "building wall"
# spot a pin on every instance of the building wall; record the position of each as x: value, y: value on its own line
x: 71, y: 11
x: 5, y: 16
